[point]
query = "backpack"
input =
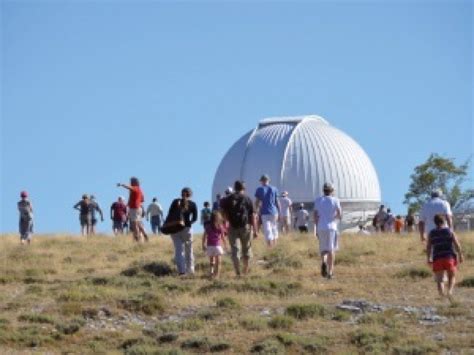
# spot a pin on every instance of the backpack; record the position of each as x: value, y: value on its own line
x: 174, y: 221
x: 237, y: 211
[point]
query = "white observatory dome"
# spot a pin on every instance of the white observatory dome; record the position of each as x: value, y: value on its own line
x: 300, y: 154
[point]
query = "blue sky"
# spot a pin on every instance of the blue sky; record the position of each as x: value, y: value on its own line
x: 93, y: 92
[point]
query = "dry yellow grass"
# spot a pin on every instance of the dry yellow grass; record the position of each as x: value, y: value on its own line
x: 70, y: 294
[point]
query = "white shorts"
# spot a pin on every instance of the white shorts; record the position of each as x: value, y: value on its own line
x: 135, y: 214
x: 270, y: 227
x: 214, y: 251
x: 328, y: 240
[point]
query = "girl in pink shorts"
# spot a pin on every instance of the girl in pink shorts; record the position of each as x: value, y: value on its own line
x: 212, y: 242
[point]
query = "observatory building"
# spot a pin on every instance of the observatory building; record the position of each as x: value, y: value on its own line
x: 300, y: 154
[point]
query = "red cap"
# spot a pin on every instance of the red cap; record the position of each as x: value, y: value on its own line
x: 24, y: 194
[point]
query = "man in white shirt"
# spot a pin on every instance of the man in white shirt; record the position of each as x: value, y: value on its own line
x: 327, y: 210
x: 155, y: 213
x: 436, y: 205
x: 301, y: 219
x: 285, y: 212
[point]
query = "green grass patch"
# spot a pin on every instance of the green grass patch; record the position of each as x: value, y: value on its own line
x: 306, y: 311
x: 281, y: 322
x: 227, y: 303
x: 252, y: 323
x: 146, y: 303
x: 268, y: 346
x: 467, y: 282
x: 37, y: 318
x: 415, y: 273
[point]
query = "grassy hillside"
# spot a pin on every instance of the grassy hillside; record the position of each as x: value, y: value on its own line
x: 103, y: 294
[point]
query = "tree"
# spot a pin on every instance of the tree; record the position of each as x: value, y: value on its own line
x: 436, y: 173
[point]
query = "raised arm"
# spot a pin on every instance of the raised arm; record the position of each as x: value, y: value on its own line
x: 76, y: 206
x: 128, y: 187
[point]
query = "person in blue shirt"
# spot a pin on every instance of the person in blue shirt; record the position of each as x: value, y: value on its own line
x: 268, y: 207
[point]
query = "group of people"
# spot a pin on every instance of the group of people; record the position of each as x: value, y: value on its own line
x: 385, y: 222
x: 124, y: 216
x: 235, y: 220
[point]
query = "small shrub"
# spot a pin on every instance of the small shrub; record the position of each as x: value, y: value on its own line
x: 467, y: 282
x: 169, y: 327
x: 268, y: 346
x: 281, y: 322
x: 158, y: 269
x: 227, y: 302
x: 287, y: 339
x: 208, y: 314
x: 145, y: 303
x: 218, y: 347
x: 282, y: 289
x: 70, y: 328
x: 372, y: 340
x: 415, y: 273
x: 421, y: 349
x: 341, y: 316
x: 196, y: 343
x: 305, y: 311
x: 36, y: 318
x: 168, y: 338
x: 252, y: 323
x: 192, y: 324
x: 215, y: 286
x: 279, y: 259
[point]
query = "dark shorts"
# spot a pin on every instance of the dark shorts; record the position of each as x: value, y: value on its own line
x: 119, y: 225
x: 94, y: 221
x: 303, y: 229
x: 85, y: 220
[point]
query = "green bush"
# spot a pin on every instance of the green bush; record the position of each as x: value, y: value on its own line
x: 252, y: 323
x: 146, y: 303
x: 268, y: 346
x: 415, y: 273
x: 37, y: 318
x: 305, y: 311
x: 281, y: 322
x: 227, y: 302
x: 467, y: 282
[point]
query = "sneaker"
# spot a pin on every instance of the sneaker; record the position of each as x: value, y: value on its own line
x: 324, y: 269
x: 330, y: 276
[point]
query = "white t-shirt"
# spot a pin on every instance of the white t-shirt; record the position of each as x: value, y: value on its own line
x: 301, y: 218
x: 285, y: 204
x: 327, y: 207
x: 432, y: 208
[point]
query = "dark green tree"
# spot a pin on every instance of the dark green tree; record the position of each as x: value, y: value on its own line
x: 436, y: 173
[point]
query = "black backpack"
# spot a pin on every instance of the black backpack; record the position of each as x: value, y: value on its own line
x: 237, y: 211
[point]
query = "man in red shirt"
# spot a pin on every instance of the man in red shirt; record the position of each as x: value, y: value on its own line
x: 135, y: 213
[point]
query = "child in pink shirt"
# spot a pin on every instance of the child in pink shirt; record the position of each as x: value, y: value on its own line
x: 212, y: 241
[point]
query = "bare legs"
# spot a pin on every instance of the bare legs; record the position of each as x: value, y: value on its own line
x: 439, y: 275
x: 328, y: 259
x: 215, y: 265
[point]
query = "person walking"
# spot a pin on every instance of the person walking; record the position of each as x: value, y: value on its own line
x: 327, y: 210
x: 431, y: 208
x: 239, y: 212
x: 285, y: 212
x: 269, y: 207
x: 302, y: 219
x: 135, y: 211
x: 25, y: 208
x: 154, y: 214
x: 389, y: 222
x: 398, y: 225
x: 443, y: 253
x: 212, y: 241
x: 95, y: 208
x: 216, y: 205
x: 83, y: 206
x: 410, y: 222
x: 380, y: 219
x: 183, y: 240
x: 118, y: 215
x: 206, y: 213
